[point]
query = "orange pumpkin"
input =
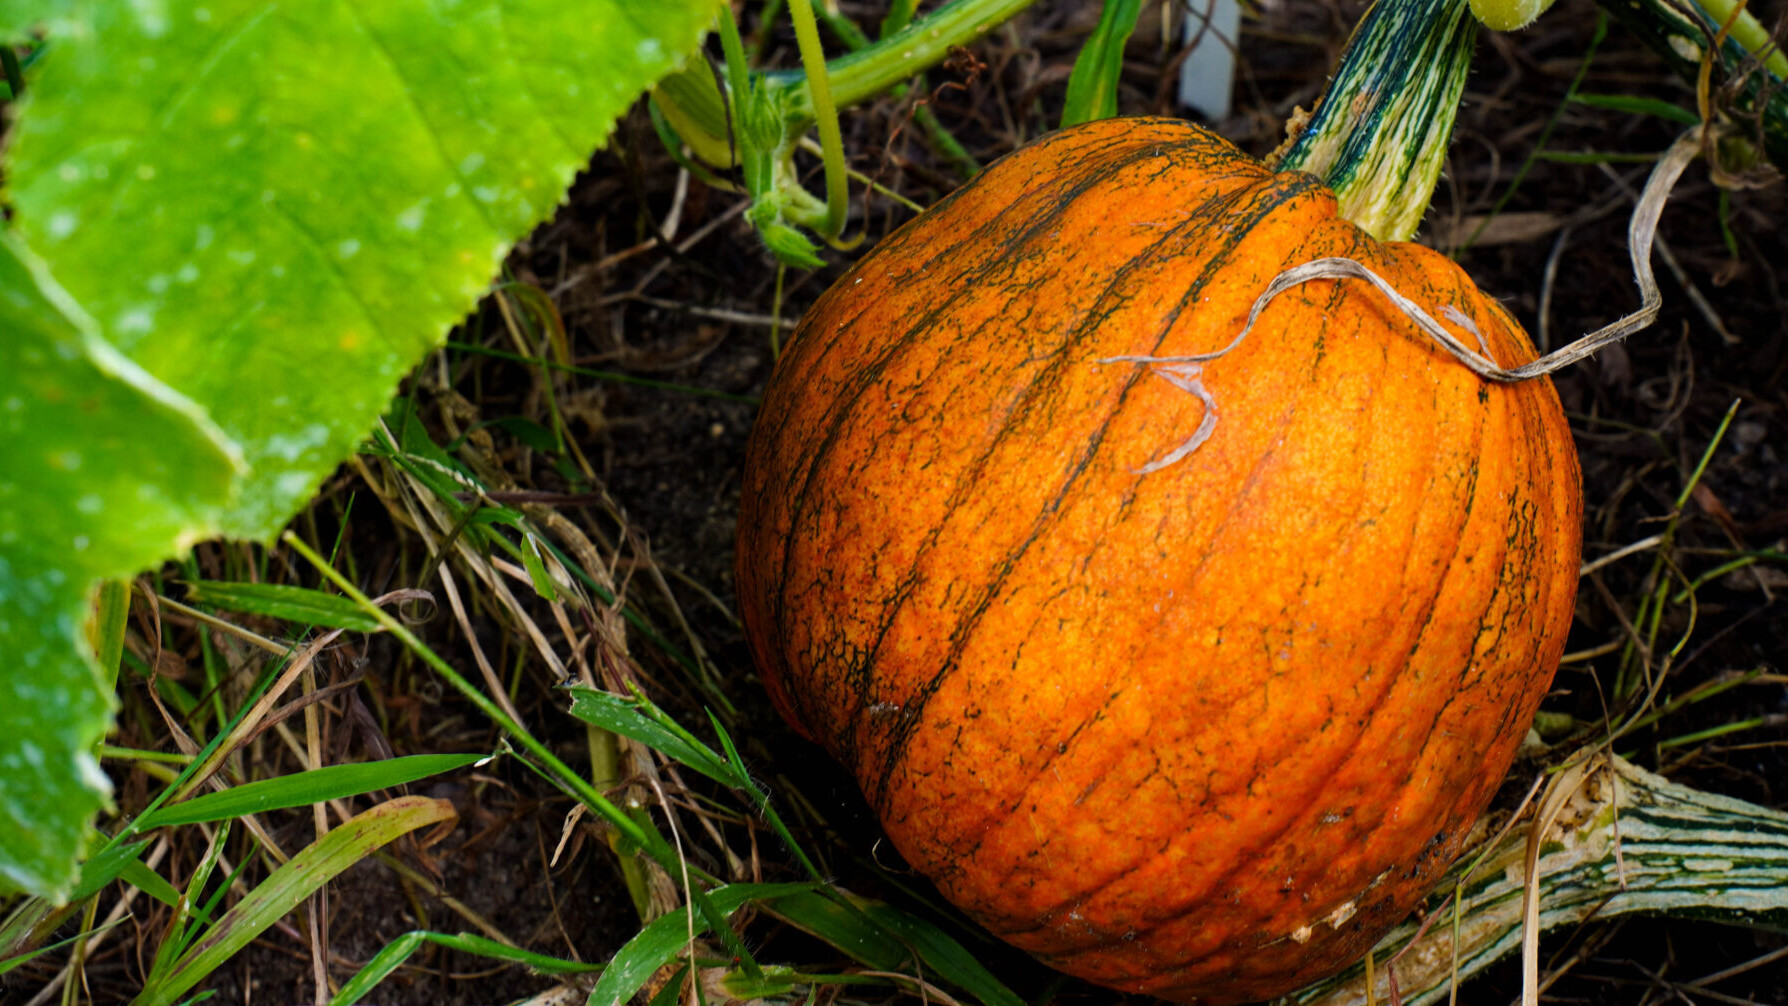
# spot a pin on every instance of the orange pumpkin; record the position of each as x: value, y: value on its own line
x: 1200, y: 723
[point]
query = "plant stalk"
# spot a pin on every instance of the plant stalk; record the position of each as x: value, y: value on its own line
x: 1379, y: 134
x: 691, y: 101
x: 1751, y: 68
x: 875, y: 69
x: 1628, y: 841
x: 825, y: 114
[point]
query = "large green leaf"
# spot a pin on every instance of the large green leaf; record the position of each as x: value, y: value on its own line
x: 80, y: 500
x: 277, y: 208
x: 272, y: 210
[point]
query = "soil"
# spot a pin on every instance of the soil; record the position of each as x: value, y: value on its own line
x: 668, y: 462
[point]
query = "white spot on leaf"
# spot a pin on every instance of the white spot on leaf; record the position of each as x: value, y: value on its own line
x: 152, y: 16
x: 136, y: 321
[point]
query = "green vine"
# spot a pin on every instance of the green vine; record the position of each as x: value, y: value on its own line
x: 755, y: 120
x: 813, y: 59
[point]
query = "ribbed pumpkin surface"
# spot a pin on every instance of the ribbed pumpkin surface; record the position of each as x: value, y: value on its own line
x: 1204, y: 731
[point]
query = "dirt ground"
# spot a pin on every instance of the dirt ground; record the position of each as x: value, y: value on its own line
x: 669, y: 460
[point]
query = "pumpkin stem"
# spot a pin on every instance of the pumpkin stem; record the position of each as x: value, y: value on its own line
x: 1379, y: 134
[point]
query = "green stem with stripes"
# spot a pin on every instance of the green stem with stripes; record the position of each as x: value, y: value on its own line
x: 1379, y: 135
x: 1628, y: 842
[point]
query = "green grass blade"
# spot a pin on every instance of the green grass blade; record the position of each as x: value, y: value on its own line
x: 399, y: 950
x: 13, y: 962
x: 528, y: 551
x: 387, y: 960
x: 1592, y: 157
x: 286, y: 602
x: 111, y: 611
x: 137, y: 874
x: 633, y: 717
x: 850, y: 932
x: 1665, y: 110
x: 105, y: 867
x: 289, y: 885
x: 761, y: 799
x: 666, y: 936
x: 300, y: 789
x: 943, y: 956
x: 885, y: 938
x: 672, y: 991
x: 182, y: 930
x: 1092, y: 89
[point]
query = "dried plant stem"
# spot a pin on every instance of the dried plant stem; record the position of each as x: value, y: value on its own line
x: 1559, y: 794
x: 1641, y: 233
x: 1185, y: 372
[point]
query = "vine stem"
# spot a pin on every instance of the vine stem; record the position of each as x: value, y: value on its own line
x: 813, y: 60
x: 1641, y: 232
x: 872, y: 70
x: 1744, y: 28
x: 1621, y: 840
x: 1688, y: 36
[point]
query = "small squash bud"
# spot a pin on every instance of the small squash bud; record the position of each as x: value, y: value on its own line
x: 760, y: 120
x: 1508, y: 15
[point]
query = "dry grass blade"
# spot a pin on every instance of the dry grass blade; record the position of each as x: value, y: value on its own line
x: 1564, y: 786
